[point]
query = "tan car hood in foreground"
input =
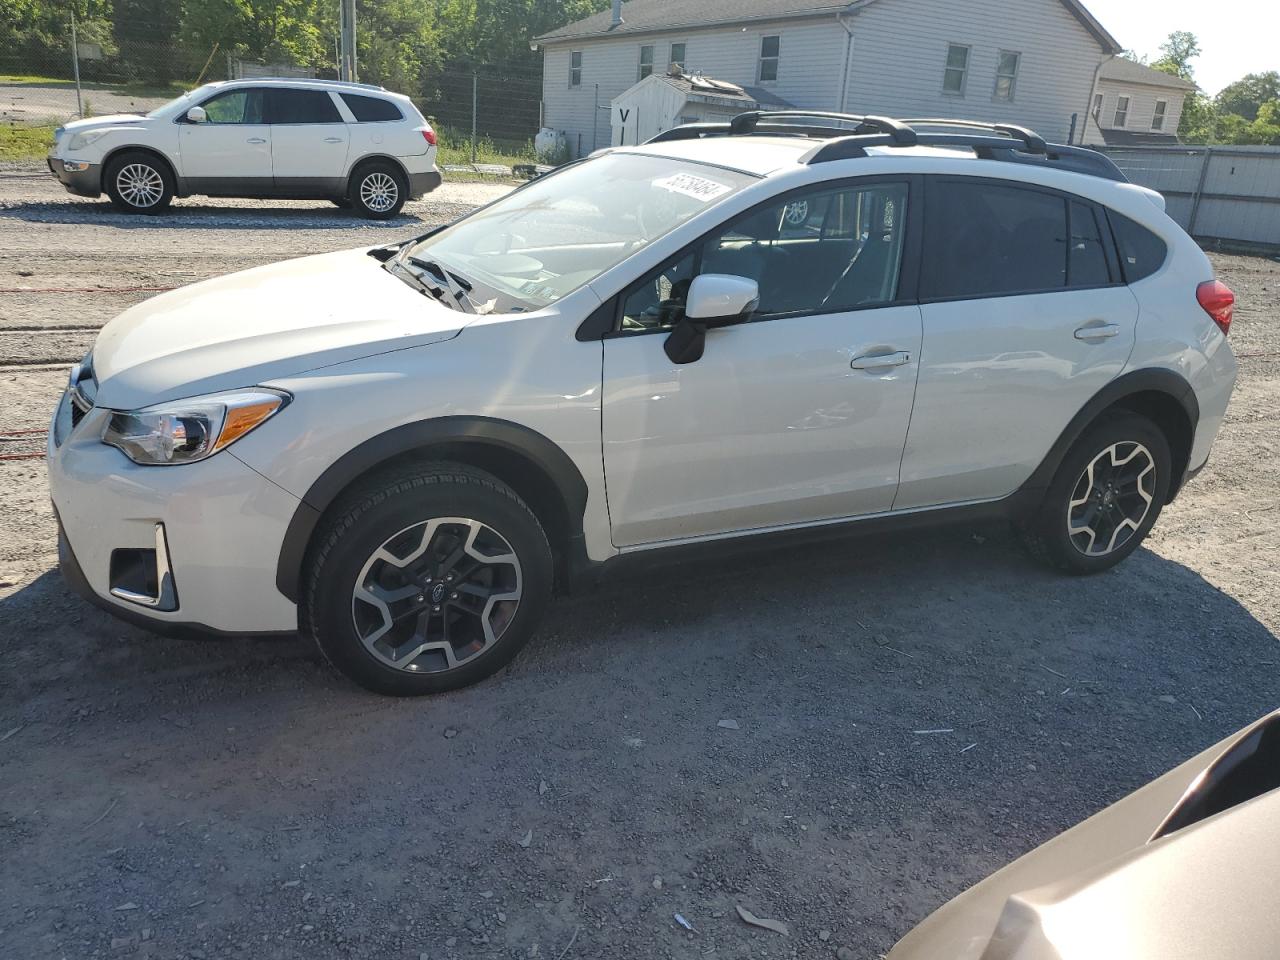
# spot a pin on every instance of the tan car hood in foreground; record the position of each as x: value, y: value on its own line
x: 1105, y: 889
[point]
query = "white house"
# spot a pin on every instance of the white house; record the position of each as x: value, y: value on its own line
x: 1134, y: 104
x: 1033, y: 62
x: 664, y: 100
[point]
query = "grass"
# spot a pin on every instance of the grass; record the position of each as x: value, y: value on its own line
x: 454, y: 146
x: 25, y: 143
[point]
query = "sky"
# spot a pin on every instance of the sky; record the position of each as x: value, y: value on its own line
x: 1236, y: 36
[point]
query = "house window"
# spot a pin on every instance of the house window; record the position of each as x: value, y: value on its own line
x: 575, y: 68
x: 1122, y: 111
x: 646, y: 61
x: 677, y: 54
x: 1007, y: 74
x: 769, y: 48
x: 1157, y: 119
x: 1097, y: 109
x: 957, y: 71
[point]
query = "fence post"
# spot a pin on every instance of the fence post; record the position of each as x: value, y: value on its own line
x: 475, y: 109
x: 75, y: 65
x: 1195, y: 202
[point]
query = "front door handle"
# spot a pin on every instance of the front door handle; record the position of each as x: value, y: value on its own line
x: 880, y: 360
x: 256, y: 140
x: 332, y: 139
x: 1098, y: 331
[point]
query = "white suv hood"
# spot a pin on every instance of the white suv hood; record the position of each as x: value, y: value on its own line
x: 98, y: 123
x: 275, y: 321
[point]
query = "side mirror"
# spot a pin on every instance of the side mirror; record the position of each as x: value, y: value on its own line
x: 714, y: 300
x: 197, y: 115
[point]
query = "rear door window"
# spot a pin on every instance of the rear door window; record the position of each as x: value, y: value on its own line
x: 989, y: 240
x: 1142, y: 253
x: 301, y: 106
x: 371, y: 109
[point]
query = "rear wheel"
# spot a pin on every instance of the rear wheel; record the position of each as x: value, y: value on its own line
x: 428, y: 579
x: 1105, y: 498
x: 378, y: 190
x: 137, y: 182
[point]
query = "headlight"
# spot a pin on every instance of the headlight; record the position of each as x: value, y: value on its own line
x: 81, y: 140
x: 189, y: 430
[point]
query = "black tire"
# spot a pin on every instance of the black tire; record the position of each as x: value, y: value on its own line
x: 369, y: 185
x: 342, y: 203
x: 1113, y: 494
x: 393, y: 512
x: 131, y: 178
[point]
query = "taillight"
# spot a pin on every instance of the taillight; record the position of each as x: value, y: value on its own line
x: 429, y: 135
x: 1218, y: 302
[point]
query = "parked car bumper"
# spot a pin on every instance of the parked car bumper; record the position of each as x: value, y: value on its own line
x: 174, y: 548
x: 86, y: 182
x: 423, y: 183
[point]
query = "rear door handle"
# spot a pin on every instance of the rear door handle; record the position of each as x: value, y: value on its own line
x: 332, y: 139
x: 1097, y: 331
x: 881, y: 360
x: 256, y: 140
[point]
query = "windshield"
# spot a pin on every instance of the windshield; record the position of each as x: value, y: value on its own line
x: 189, y: 95
x: 551, y: 237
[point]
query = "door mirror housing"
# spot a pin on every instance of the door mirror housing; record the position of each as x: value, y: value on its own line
x: 197, y: 115
x: 714, y: 300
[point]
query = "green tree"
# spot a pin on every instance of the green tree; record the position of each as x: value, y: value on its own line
x: 1247, y: 95
x: 1177, y: 52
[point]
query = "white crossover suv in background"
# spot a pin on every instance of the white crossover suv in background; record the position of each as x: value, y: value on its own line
x: 768, y: 328
x: 360, y: 146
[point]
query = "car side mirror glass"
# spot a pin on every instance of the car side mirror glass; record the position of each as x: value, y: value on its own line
x: 197, y: 115
x: 714, y: 300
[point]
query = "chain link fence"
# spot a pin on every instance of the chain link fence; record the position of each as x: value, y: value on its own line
x: 483, y: 114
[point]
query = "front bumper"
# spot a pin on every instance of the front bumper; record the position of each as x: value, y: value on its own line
x: 217, y: 524
x: 84, y: 183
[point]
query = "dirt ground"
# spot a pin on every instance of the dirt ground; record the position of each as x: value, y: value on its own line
x: 238, y: 799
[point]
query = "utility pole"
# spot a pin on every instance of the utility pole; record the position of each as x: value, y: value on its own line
x: 347, y: 61
x: 75, y: 65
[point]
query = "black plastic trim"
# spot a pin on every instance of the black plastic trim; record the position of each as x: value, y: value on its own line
x: 415, y: 439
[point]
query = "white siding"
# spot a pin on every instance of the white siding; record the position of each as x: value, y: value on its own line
x: 1142, y: 108
x: 900, y: 48
x: 896, y: 68
x: 810, y: 62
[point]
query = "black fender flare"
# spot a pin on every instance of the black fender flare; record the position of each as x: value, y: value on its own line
x: 412, y: 439
x: 1164, y: 381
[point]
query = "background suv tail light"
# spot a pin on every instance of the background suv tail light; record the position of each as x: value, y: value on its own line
x: 429, y: 135
x: 1218, y: 302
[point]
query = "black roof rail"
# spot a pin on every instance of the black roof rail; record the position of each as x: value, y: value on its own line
x: 1033, y: 142
x: 747, y: 123
x: 989, y: 141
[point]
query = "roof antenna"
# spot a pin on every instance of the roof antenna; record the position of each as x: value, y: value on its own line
x: 617, y: 14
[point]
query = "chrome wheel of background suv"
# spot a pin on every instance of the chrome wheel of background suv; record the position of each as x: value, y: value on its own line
x: 436, y: 594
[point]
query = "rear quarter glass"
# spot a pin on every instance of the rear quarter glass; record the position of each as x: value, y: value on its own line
x: 1142, y: 253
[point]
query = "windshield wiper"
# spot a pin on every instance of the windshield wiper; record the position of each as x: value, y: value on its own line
x: 455, y: 286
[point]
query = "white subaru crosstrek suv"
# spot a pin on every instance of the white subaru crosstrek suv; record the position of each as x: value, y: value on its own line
x: 768, y: 328
x: 360, y: 146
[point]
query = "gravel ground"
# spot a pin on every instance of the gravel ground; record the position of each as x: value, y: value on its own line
x: 238, y: 799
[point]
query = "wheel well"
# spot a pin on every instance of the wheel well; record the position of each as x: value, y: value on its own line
x: 134, y: 148
x: 376, y: 158
x: 1167, y: 413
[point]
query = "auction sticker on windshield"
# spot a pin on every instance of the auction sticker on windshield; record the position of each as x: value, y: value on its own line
x: 700, y: 188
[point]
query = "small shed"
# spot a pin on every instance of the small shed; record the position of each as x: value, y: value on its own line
x: 664, y: 100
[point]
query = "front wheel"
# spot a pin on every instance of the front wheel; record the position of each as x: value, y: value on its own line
x: 428, y: 579
x: 137, y: 182
x: 1104, y: 499
x: 378, y: 191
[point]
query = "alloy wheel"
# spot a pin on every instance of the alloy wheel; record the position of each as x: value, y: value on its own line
x: 379, y: 192
x: 1111, y: 499
x: 140, y: 185
x: 436, y: 595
